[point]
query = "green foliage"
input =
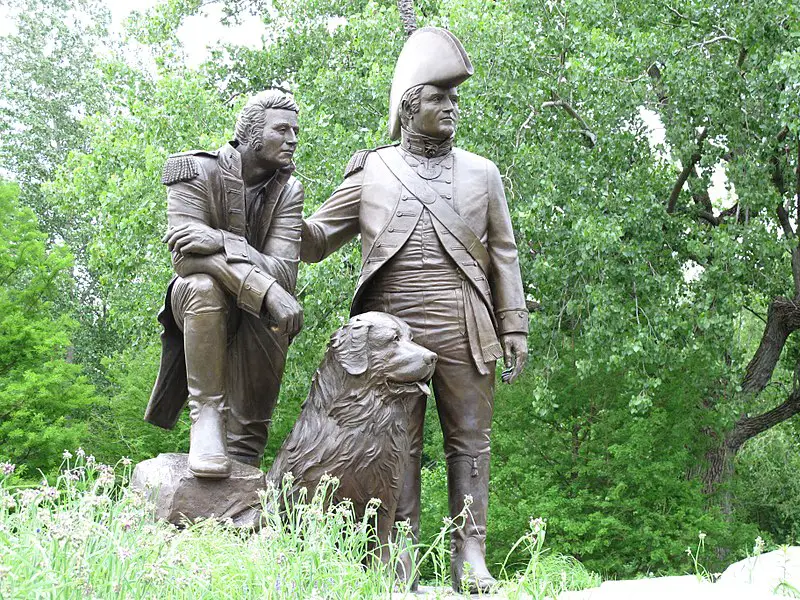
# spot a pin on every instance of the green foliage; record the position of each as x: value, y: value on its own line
x: 766, y: 487
x: 44, y: 399
x: 116, y: 424
x: 48, y: 85
x: 613, y: 485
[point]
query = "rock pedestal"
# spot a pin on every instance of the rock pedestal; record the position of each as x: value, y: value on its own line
x: 179, y: 496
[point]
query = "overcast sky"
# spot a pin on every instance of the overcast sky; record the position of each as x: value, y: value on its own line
x: 199, y: 31
x: 196, y: 33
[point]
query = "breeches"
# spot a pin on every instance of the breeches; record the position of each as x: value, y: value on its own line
x: 464, y: 397
x: 248, y: 371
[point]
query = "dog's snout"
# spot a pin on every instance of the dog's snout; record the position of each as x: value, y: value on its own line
x: 430, y: 358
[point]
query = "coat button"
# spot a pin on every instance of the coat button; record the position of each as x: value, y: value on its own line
x: 391, y: 229
x: 257, y: 270
x: 502, y: 316
x: 247, y: 287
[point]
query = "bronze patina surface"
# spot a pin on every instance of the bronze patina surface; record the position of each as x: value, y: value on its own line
x: 234, y: 222
x: 438, y: 251
x: 354, y: 423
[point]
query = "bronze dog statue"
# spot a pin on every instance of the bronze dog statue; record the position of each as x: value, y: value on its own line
x: 353, y: 425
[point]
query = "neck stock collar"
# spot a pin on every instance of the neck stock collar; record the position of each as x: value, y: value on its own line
x: 423, y: 145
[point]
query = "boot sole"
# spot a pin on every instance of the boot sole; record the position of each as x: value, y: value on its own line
x: 210, y: 473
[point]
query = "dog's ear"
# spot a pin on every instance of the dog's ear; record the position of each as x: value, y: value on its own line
x: 350, y: 347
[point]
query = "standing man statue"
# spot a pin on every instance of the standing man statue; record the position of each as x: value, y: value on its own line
x: 438, y: 251
x: 234, y: 218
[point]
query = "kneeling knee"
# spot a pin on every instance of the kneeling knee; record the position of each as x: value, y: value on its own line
x: 205, y: 289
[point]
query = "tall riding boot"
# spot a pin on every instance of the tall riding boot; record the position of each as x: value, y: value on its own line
x: 408, y: 509
x: 205, y: 340
x: 469, y: 476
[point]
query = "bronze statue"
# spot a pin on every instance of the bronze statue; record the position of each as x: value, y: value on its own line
x: 354, y: 423
x: 438, y: 251
x: 234, y: 218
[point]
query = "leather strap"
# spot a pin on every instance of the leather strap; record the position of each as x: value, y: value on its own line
x: 423, y: 192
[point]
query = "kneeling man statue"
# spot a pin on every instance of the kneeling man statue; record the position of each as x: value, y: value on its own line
x: 438, y: 251
x: 234, y: 222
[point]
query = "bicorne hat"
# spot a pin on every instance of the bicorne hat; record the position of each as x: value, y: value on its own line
x: 430, y: 56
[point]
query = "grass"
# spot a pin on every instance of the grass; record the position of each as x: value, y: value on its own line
x: 88, y: 535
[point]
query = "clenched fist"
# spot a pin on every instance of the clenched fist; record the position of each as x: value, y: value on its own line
x: 285, y: 313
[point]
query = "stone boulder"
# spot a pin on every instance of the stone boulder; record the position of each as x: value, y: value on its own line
x: 768, y: 572
x: 687, y: 587
x: 179, y: 496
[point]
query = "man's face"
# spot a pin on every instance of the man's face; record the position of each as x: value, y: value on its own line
x: 279, y: 138
x: 438, y: 112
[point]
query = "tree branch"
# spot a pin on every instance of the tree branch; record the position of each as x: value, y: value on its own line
x: 742, y: 57
x: 796, y: 271
x: 687, y: 170
x: 655, y: 74
x: 754, y: 313
x: 783, y: 219
x: 520, y: 131
x: 703, y: 199
x: 719, y: 38
x: 709, y: 218
x: 797, y: 181
x: 722, y: 37
x: 719, y: 219
x: 749, y: 427
x: 779, y: 182
x: 587, y: 133
x: 783, y: 317
x: 681, y: 16
x: 731, y: 212
x: 407, y: 15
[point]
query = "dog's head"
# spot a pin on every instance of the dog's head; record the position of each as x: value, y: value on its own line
x: 379, y: 346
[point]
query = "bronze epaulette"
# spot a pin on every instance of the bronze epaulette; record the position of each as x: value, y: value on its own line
x: 359, y: 159
x: 183, y: 166
x: 357, y: 162
x: 180, y: 168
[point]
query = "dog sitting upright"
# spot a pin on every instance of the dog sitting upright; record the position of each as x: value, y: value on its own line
x: 354, y: 423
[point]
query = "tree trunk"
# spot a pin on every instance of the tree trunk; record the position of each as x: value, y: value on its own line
x: 783, y: 319
x: 407, y: 15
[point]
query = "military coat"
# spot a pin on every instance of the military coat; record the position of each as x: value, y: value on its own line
x: 261, y: 248
x: 373, y: 202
